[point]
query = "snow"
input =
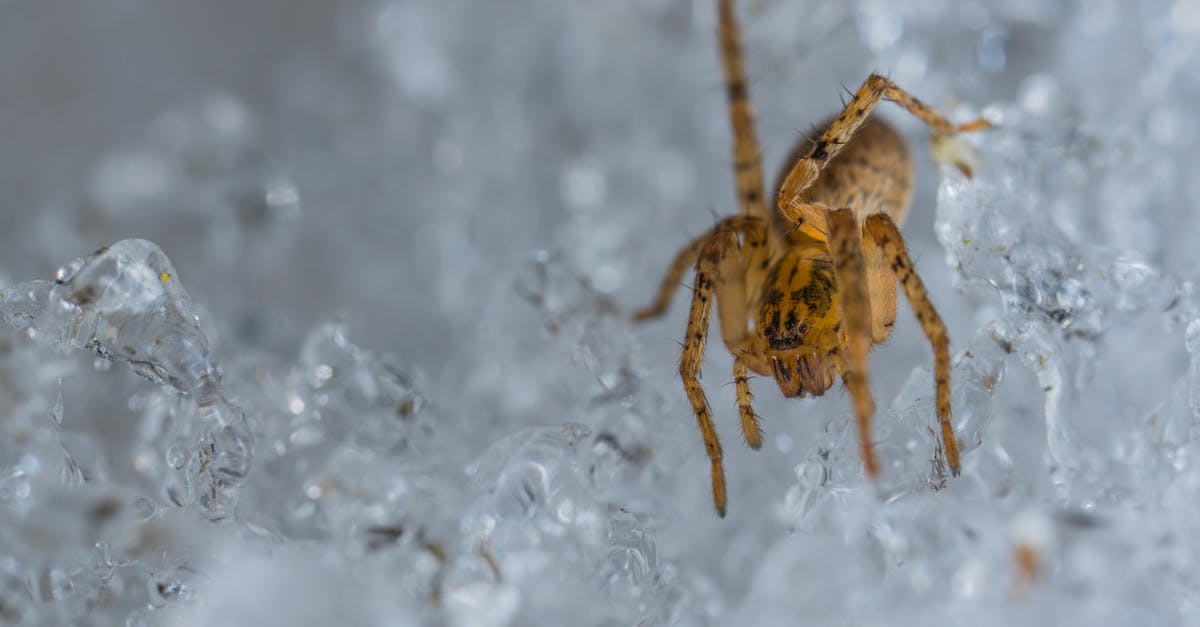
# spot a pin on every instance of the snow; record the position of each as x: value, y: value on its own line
x: 402, y: 387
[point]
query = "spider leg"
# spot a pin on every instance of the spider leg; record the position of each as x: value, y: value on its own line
x: 751, y: 228
x: 747, y: 155
x: 739, y: 266
x: 850, y: 269
x: 683, y: 259
x: 843, y: 127
x: 881, y: 286
x: 880, y: 228
x: 745, y: 399
x: 707, y: 273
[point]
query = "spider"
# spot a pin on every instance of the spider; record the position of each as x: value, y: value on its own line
x: 804, y: 291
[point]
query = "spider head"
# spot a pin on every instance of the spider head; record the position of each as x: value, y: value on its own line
x: 797, y: 323
x: 800, y: 353
x: 800, y: 372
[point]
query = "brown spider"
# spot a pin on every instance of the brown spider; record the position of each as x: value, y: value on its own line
x: 803, y: 292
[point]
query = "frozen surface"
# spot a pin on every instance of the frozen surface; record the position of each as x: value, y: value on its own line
x: 401, y: 387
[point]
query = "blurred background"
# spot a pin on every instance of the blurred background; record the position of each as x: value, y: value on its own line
x: 379, y: 161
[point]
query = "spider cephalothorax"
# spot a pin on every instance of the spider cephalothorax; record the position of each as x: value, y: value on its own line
x: 798, y: 322
x: 804, y: 290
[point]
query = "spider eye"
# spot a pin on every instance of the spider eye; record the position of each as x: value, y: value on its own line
x: 788, y: 337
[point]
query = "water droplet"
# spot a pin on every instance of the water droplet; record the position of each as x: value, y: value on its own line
x: 177, y: 456
x: 143, y: 508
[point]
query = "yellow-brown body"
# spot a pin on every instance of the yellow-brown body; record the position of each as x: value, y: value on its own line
x: 803, y: 289
x: 798, y: 306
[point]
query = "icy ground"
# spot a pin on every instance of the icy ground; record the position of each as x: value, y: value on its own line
x: 373, y: 262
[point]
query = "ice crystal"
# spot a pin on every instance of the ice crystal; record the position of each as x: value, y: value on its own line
x: 401, y: 386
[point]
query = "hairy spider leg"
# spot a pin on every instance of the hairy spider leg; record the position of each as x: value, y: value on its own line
x: 703, y: 293
x: 881, y: 229
x: 811, y: 219
x: 686, y: 258
x: 850, y: 270
x: 747, y: 155
x: 751, y: 429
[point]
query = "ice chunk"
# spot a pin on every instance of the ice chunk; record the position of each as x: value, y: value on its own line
x: 329, y: 423
x: 126, y: 303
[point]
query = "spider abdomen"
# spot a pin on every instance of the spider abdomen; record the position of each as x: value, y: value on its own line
x: 872, y: 173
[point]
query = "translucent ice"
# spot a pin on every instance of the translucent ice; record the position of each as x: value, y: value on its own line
x: 125, y: 303
x: 452, y: 420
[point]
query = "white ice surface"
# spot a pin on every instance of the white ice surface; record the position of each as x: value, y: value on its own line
x: 411, y: 233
